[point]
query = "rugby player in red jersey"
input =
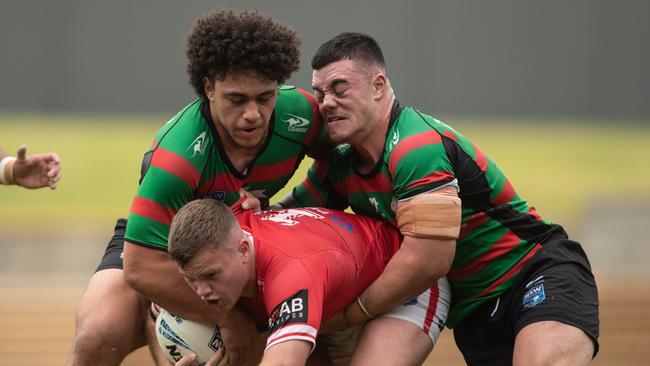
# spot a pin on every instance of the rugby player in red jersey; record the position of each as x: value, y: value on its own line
x: 291, y: 269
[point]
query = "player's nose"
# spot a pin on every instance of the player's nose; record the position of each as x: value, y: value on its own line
x: 203, y: 289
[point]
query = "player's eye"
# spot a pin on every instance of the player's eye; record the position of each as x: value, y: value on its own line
x: 339, y: 90
x: 265, y: 98
x: 320, y: 96
x: 237, y: 100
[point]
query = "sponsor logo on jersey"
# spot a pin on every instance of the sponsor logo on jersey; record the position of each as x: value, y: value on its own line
x: 292, y: 310
x: 216, y: 195
x: 373, y: 201
x: 289, y: 216
x: 343, y: 223
x: 199, y: 145
x: 393, y: 141
x: 341, y: 148
x: 534, y: 296
x: 296, y: 123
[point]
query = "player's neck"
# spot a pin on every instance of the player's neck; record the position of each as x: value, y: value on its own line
x: 371, y: 146
x: 240, y: 157
x: 250, y: 291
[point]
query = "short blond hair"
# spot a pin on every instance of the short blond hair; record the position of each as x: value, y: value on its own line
x: 199, y: 224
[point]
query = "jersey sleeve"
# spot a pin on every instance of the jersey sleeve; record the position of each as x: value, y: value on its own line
x: 299, y: 120
x: 171, y: 174
x: 317, y: 142
x: 316, y: 189
x: 294, y: 302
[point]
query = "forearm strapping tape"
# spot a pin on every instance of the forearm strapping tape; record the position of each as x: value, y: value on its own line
x: 431, y: 215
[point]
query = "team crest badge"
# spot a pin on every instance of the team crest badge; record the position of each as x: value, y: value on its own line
x: 534, y: 296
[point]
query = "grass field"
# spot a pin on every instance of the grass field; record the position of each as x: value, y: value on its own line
x: 558, y: 165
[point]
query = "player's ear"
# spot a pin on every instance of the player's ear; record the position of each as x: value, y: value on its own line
x: 244, y: 249
x: 208, y: 88
x: 379, y: 85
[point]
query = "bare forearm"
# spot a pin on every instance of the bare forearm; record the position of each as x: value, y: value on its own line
x: 288, y: 353
x: 413, y: 269
x: 156, y: 277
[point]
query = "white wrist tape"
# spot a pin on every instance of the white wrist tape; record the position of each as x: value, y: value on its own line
x: 7, y: 170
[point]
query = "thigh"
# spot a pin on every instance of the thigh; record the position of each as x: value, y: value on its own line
x: 428, y: 311
x: 111, y: 308
x: 406, y: 335
x: 339, y: 346
x: 552, y: 343
x: 391, y: 341
x: 556, y: 316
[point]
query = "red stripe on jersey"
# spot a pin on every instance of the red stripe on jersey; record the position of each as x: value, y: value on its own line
x: 411, y: 143
x: 504, y: 245
x: 534, y: 213
x: 513, y: 271
x: 317, y: 121
x: 481, y: 158
x: 432, y: 308
x: 176, y: 165
x: 152, y: 210
x: 450, y: 135
x: 506, y: 195
x: 321, y: 167
x: 309, y: 186
x: 431, y: 178
x: 221, y: 182
x: 353, y: 183
x: 473, y: 222
x: 262, y: 173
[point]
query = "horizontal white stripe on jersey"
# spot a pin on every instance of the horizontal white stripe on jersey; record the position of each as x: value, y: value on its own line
x: 302, y: 332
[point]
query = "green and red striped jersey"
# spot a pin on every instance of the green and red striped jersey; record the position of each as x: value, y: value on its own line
x: 187, y: 161
x: 499, y: 230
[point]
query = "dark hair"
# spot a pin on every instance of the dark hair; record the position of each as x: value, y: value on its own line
x: 199, y: 224
x: 349, y: 46
x: 227, y: 41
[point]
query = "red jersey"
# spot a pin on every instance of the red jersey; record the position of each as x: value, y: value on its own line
x: 310, y: 264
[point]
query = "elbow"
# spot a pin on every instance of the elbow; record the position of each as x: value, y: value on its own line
x: 131, y: 277
x: 431, y: 264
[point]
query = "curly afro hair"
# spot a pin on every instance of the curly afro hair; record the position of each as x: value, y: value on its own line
x: 227, y: 41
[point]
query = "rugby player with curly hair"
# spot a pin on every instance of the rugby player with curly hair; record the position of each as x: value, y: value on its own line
x: 244, y: 131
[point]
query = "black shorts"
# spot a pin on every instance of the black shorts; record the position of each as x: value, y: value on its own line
x: 557, y: 284
x: 114, y: 254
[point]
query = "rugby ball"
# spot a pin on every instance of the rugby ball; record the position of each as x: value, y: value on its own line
x: 178, y: 337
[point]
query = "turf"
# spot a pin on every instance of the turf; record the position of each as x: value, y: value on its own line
x: 561, y: 166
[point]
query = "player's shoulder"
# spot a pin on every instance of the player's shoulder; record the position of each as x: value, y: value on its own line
x: 414, y: 128
x: 296, y: 114
x: 187, y: 134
